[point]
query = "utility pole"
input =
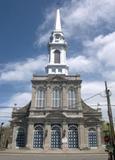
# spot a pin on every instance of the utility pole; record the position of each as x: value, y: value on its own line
x: 112, y: 137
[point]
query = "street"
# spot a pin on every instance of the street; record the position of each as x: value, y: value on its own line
x: 53, y: 156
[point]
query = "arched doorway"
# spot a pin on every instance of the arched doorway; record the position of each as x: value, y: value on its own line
x: 20, y: 139
x: 72, y: 136
x: 55, y: 136
x: 92, y: 137
x: 38, y: 137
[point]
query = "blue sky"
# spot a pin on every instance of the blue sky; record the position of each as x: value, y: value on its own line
x: 25, y: 28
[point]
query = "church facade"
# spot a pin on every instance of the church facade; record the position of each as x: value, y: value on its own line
x: 56, y: 117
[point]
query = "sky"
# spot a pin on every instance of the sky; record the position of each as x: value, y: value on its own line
x: 25, y: 28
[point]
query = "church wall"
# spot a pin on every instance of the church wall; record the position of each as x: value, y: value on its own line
x: 65, y: 120
x: 33, y: 104
x: 30, y: 131
x: 81, y: 136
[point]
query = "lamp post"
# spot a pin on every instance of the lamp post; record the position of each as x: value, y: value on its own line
x: 1, y: 125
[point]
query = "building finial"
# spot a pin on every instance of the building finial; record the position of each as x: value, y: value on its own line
x: 58, y: 21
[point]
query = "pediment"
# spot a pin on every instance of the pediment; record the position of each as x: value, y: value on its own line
x: 56, y: 78
x: 55, y: 115
x: 92, y: 119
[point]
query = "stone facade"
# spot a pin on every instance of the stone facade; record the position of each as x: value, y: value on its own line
x: 80, y: 117
x: 56, y: 117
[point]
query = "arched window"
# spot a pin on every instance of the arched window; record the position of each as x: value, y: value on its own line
x: 72, y: 136
x: 56, y: 98
x: 56, y: 137
x: 20, y: 139
x: 40, y: 98
x: 56, y: 56
x: 38, y: 137
x: 71, y: 98
x: 92, y: 137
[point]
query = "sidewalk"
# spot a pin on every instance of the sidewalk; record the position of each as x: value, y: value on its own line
x: 25, y: 151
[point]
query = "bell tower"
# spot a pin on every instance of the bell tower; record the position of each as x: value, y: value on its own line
x: 57, y: 48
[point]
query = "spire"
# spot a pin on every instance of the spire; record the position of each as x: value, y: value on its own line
x: 58, y: 21
x: 57, y: 48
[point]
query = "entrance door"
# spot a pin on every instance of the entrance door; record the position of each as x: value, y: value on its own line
x: 55, y: 137
x: 20, y: 139
x: 38, y: 137
x: 92, y: 137
x: 73, y: 137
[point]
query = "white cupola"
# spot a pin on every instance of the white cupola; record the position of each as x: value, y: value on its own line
x: 57, y: 47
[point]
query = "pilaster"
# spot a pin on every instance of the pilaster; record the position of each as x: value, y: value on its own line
x: 14, y: 137
x: 30, y: 132
x: 78, y: 97
x: 33, y: 96
x: 48, y: 97
x: 47, y: 139
x: 81, y: 136
x: 65, y: 137
x: 86, y: 143
x: 98, y: 135
x: 64, y: 97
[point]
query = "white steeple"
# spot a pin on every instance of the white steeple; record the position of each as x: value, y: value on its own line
x: 57, y: 48
x: 58, y: 21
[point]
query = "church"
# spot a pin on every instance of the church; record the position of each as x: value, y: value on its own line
x: 56, y: 118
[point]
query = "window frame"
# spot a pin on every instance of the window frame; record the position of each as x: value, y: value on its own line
x: 57, y: 55
x: 40, y: 97
x: 20, y: 137
x: 92, y: 138
x: 56, y: 97
x: 71, y: 98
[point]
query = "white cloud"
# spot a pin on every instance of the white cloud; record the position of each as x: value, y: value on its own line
x: 87, y: 13
x: 93, y: 92
x: 43, y: 39
x: 102, y: 49
x: 23, y: 71
x: 20, y: 99
x: 17, y: 100
x: 82, y: 64
x: 80, y: 18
